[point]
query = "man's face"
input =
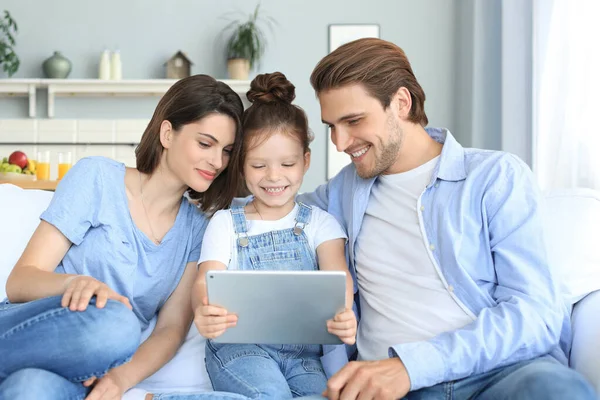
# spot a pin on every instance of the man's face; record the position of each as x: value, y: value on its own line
x: 361, y: 128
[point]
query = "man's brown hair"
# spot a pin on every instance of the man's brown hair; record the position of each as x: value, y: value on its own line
x: 380, y: 66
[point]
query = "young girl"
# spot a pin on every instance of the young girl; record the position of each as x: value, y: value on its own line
x: 264, y: 235
x: 116, y: 251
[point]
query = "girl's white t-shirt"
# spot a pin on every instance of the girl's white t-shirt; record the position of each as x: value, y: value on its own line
x: 220, y: 240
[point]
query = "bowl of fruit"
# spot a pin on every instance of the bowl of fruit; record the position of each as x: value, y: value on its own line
x: 17, y: 167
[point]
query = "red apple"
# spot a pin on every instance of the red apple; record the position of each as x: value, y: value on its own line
x: 18, y: 158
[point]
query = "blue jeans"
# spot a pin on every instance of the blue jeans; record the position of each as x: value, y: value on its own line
x: 214, y: 396
x: 541, y: 378
x: 266, y: 371
x: 198, y: 396
x: 48, y: 350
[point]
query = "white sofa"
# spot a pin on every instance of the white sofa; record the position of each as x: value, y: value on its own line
x: 572, y: 219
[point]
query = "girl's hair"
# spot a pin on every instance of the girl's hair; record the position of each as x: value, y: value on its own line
x: 187, y: 101
x: 272, y: 111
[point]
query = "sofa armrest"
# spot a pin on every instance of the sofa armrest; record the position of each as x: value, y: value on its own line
x: 585, y: 352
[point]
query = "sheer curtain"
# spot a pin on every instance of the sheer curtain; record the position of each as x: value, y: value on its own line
x: 566, y: 83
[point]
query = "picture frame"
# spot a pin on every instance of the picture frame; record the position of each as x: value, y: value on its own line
x: 338, y: 35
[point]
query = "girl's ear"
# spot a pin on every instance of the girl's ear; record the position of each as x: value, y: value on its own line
x: 166, y: 134
x: 306, y: 161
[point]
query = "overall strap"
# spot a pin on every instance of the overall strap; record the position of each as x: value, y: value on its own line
x: 304, y: 213
x: 302, y: 218
x: 239, y: 220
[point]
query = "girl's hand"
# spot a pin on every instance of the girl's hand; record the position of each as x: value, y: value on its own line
x: 81, y: 288
x: 109, y: 387
x: 343, y: 325
x: 212, y: 321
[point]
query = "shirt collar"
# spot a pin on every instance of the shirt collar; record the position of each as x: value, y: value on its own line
x: 452, y: 160
x: 451, y: 166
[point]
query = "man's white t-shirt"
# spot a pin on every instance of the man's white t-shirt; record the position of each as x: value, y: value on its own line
x: 220, y: 240
x: 402, y: 297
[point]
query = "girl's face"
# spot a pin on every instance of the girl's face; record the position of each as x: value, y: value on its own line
x: 200, y: 151
x: 275, y: 168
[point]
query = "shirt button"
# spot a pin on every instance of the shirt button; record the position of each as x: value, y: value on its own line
x: 437, y: 185
x: 432, y: 247
x: 451, y: 288
x: 422, y: 208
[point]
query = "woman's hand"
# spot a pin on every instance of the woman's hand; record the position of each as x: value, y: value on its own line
x: 212, y: 321
x: 109, y: 387
x: 343, y: 325
x: 81, y: 288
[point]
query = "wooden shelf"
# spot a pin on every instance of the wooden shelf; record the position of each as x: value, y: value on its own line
x: 21, y: 88
x: 94, y: 87
x: 25, y: 184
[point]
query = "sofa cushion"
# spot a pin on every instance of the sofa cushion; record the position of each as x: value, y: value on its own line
x: 585, y: 353
x: 572, y: 229
x: 19, y: 212
x: 185, y: 372
x: 571, y: 218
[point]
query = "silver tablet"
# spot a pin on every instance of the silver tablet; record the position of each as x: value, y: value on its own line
x: 278, y: 307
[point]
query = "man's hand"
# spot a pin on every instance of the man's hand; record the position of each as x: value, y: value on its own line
x: 109, y: 387
x: 369, y: 380
x: 343, y: 325
x: 213, y: 321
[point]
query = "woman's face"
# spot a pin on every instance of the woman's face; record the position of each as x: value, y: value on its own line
x: 200, y: 150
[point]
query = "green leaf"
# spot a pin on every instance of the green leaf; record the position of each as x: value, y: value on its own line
x: 8, y: 58
x: 246, y: 38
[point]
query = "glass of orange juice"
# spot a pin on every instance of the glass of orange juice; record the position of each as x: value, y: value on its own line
x: 42, y: 168
x: 65, y: 161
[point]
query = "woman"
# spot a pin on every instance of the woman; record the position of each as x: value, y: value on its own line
x: 117, y: 247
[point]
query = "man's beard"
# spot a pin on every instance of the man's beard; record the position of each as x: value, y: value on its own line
x: 389, y: 152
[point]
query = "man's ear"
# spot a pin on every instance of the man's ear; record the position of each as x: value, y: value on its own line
x: 166, y: 134
x: 306, y: 161
x: 402, y: 101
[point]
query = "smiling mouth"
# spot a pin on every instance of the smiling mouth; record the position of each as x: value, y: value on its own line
x: 359, y: 153
x: 206, y: 174
x: 275, y: 190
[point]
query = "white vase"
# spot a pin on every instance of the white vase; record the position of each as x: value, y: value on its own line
x: 104, y: 66
x: 238, y: 68
x: 116, y: 69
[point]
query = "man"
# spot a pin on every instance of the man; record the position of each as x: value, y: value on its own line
x: 445, y: 246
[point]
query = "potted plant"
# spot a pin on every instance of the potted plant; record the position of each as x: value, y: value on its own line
x: 246, y: 44
x: 8, y: 58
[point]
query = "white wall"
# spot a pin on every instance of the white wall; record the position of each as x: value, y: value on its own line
x: 149, y: 32
x: 493, y: 96
x: 85, y: 137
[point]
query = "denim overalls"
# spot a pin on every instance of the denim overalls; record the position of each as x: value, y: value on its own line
x: 271, y: 371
